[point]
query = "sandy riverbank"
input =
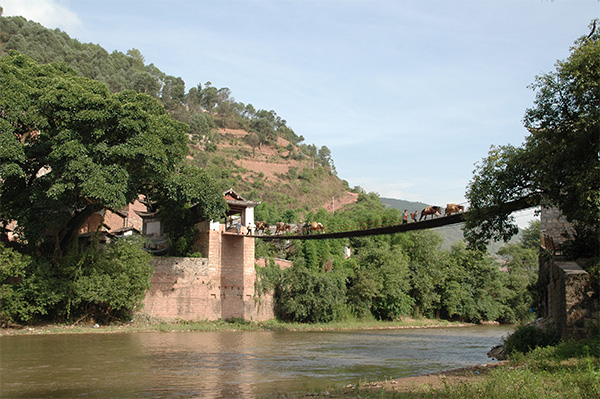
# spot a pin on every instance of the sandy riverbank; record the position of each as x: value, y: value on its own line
x: 434, y: 380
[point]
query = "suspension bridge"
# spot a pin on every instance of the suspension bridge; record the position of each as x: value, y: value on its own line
x: 440, y: 221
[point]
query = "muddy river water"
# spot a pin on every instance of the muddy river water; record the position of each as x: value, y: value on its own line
x: 229, y: 364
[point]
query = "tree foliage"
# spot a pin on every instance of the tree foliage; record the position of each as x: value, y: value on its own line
x: 310, y: 296
x: 69, y: 148
x: 188, y: 196
x: 558, y: 165
x: 98, y: 284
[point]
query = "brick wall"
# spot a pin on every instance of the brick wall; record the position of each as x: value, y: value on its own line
x: 183, y: 288
x: 220, y: 286
x: 232, y: 276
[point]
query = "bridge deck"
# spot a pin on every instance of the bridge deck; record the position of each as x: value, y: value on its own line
x: 425, y: 224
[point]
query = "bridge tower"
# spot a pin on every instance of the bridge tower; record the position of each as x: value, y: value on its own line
x: 230, y: 255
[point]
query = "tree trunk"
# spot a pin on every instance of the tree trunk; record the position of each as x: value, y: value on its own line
x: 69, y: 233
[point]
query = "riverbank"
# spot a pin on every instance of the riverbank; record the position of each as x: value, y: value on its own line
x: 421, y: 384
x: 142, y: 323
x: 569, y: 370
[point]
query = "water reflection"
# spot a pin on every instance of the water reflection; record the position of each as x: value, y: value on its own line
x: 228, y: 364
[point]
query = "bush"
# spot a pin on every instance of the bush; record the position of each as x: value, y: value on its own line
x: 310, y: 296
x: 529, y: 337
x: 114, y: 280
x: 29, y: 288
x: 99, y: 283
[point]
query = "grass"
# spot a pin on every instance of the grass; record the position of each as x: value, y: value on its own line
x: 146, y: 324
x: 569, y: 370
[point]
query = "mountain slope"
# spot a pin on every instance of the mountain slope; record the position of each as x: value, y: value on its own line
x: 252, y: 151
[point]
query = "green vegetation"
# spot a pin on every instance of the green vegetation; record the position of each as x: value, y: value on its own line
x: 558, y: 163
x: 70, y: 149
x: 406, y: 275
x: 527, y: 338
x: 142, y: 323
x: 93, y: 284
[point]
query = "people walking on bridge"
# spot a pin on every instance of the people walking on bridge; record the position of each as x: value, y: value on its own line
x: 405, y: 219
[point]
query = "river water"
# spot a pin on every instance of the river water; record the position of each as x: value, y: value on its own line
x: 229, y: 364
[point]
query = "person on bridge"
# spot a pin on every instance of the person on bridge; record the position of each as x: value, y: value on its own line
x: 405, y: 219
x: 414, y: 215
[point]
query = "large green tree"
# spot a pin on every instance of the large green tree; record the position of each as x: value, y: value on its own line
x: 558, y: 164
x: 69, y: 148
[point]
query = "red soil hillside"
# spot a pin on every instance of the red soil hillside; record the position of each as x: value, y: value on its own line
x: 271, y: 174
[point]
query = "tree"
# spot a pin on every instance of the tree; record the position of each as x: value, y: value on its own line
x: 305, y: 295
x: 521, y: 262
x: 558, y: 164
x: 384, y: 274
x: 209, y: 97
x: 324, y: 158
x: 188, y: 196
x: 69, y: 148
x: 201, y: 126
x: 253, y: 141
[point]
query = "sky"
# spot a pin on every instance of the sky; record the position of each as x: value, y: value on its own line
x: 407, y: 95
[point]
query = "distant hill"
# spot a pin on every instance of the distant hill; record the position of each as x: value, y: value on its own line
x: 401, y: 205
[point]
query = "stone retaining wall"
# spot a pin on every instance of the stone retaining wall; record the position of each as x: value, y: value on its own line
x: 193, y: 289
x: 183, y: 288
x: 567, y: 299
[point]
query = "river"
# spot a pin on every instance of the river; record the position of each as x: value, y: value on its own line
x: 229, y: 364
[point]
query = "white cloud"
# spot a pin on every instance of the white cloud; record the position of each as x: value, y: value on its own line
x: 50, y: 13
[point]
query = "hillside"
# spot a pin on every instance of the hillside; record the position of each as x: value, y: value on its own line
x: 450, y: 234
x: 401, y: 205
x: 250, y: 150
x: 274, y: 173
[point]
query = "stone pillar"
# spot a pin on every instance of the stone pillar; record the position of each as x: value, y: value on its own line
x: 567, y: 301
x: 237, y: 274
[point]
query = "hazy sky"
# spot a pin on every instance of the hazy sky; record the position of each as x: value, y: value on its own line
x: 407, y: 95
